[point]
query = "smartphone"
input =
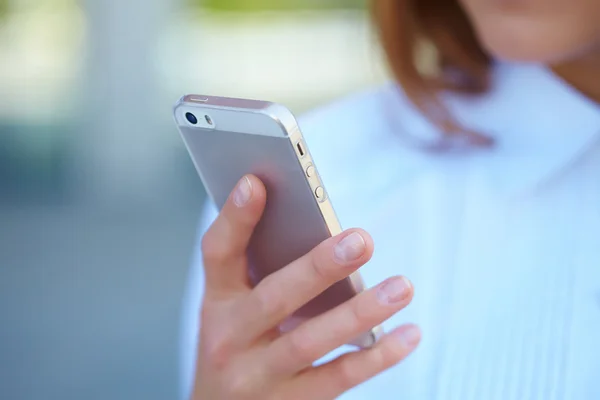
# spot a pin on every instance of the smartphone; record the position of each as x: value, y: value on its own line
x: 228, y: 138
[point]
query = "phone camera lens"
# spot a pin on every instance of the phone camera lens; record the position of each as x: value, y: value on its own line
x: 191, y: 118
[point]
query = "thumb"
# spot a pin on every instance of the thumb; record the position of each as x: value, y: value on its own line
x: 224, y: 244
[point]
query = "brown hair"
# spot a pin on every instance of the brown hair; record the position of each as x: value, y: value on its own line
x: 406, y: 28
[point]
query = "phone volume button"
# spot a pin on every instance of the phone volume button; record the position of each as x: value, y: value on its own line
x: 320, y: 193
x: 310, y: 171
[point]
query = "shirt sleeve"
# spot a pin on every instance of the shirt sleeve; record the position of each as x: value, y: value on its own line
x: 191, y: 306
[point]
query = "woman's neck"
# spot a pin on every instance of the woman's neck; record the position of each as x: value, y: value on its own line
x: 583, y: 74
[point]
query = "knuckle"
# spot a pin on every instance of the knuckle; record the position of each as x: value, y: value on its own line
x: 352, y: 371
x: 245, y: 220
x: 301, y: 346
x: 218, y: 349
x: 241, y: 385
x: 351, y: 318
x: 347, y: 375
x: 214, y: 250
x: 321, y: 263
x: 360, y: 312
x: 248, y: 382
x: 268, y: 299
x: 378, y: 360
x: 353, y: 322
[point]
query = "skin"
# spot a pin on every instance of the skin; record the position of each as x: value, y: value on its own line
x: 564, y: 34
x: 242, y: 354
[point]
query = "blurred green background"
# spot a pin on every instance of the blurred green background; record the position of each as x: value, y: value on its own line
x: 289, y: 5
x: 98, y: 199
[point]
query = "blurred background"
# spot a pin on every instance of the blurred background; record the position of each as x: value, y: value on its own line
x: 98, y: 199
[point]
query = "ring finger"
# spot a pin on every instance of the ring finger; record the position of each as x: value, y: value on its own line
x: 315, y: 338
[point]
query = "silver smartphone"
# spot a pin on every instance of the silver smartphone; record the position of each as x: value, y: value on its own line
x: 228, y: 138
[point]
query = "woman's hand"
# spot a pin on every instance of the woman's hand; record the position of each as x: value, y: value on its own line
x: 242, y: 354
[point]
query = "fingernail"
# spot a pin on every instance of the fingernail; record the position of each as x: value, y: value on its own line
x: 350, y: 248
x: 393, y: 291
x: 409, y: 336
x: 243, y: 192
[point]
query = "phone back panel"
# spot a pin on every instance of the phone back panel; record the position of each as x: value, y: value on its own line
x: 293, y: 222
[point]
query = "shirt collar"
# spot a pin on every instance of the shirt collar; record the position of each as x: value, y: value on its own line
x: 542, y: 126
x: 540, y: 123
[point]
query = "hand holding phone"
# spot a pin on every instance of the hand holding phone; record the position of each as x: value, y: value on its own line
x: 228, y: 138
x: 243, y: 355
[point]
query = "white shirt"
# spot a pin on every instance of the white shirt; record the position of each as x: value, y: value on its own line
x: 502, y: 245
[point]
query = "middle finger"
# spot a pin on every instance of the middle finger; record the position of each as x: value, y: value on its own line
x: 283, y: 292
